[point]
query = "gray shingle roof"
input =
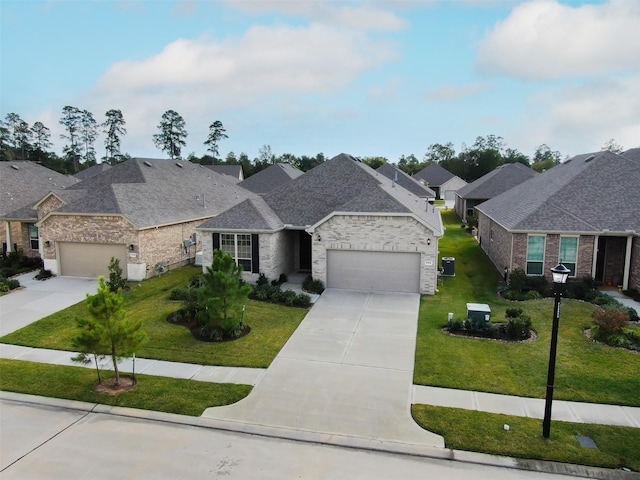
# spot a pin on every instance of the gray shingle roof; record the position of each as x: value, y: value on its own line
x: 92, y: 171
x: 632, y: 153
x: 22, y: 184
x: 152, y: 192
x: 410, y: 183
x: 234, y: 171
x: 271, y: 178
x: 587, y: 193
x: 434, y: 175
x: 497, y: 181
x: 342, y: 184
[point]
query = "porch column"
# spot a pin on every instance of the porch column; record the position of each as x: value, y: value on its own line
x: 7, y: 225
x: 596, y: 239
x: 627, y: 263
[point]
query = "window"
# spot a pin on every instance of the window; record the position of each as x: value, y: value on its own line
x: 535, y: 255
x: 569, y: 253
x: 33, y: 237
x: 237, y: 245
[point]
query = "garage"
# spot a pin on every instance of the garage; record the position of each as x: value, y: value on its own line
x: 90, y: 259
x: 373, y: 271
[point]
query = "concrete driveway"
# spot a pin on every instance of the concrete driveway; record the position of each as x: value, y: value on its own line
x: 41, y: 298
x: 347, y: 370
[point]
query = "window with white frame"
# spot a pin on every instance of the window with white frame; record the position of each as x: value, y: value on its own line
x: 535, y: 254
x: 569, y: 253
x: 238, y: 245
x: 34, y: 237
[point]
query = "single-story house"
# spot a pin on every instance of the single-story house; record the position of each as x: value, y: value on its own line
x: 582, y: 213
x: 416, y: 187
x: 342, y: 222
x: 270, y: 178
x: 144, y: 212
x: 440, y: 180
x: 490, y: 185
x: 22, y: 184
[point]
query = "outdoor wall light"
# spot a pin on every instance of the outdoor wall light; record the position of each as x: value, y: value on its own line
x: 428, y: 241
x: 47, y: 244
x: 318, y: 237
x: 132, y: 247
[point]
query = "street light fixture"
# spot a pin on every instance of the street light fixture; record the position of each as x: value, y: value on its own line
x: 560, y: 274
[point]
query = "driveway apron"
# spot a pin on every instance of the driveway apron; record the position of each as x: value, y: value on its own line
x: 347, y: 370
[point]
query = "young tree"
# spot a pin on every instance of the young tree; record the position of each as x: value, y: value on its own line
x: 113, y: 127
x: 216, y: 133
x: 172, y: 134
x: 107, y: 331
x: 544, y: 158
x: 222, y: 297
x: 612, y: 146
x: 438, y: 152
x: 71, y: 120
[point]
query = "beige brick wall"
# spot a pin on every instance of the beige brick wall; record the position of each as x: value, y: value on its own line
x: 377, y: 233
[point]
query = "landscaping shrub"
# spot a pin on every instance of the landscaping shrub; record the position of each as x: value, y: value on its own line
x: 16, y: 262
x: 43, y: 274
x: 633, y: 293
x: 313, y: 286
x: 519, y: 328
x: 302, y: 300
x: 538, y: 284
x: 513, y: 312
x: 533, y: 295
x: 178, y: 294
x: 115, y: 281
x: 480, y: 328
x: 610, y: 320
x: 455, y: 325
x: 7, y: 285
x: 517, y: 280
x: 282, y: 279
x: 633, y: 315
x: 262, y: 280
x: 584, y: 289
x: 289, y: 297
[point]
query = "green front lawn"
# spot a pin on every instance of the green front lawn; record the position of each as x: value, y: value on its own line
x: 271, y: 326
x: 161, y: 394
x: 484, y: 432
x: 585, y: 371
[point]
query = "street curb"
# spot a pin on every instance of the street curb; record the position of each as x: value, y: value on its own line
x: 358, y: 443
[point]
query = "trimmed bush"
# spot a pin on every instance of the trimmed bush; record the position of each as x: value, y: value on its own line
x: 513, y: 312
x: 610, y: 320
x: 519, y: 328
x: 517, y: 280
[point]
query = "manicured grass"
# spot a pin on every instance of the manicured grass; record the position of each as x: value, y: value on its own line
x: 484, y: 432
x: 185, y: 397
x: 585, y: 371
x: 271, y: 326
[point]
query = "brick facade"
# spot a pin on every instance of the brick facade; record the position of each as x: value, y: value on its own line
x: 377, y: 233
x: 496, y: 242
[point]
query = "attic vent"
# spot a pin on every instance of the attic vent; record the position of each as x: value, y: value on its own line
x: 589, y: 158
x: 148, y: 164
x: 567, y: 161
x: 15, y: 167
x: 179, y: 164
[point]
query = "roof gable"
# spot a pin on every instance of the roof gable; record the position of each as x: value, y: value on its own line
x: 413, y: 185
x: 434, y: 175
x: 271, y: 178
x: 497, y: 181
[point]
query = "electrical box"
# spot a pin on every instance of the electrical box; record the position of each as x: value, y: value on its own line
x: 478, y: 312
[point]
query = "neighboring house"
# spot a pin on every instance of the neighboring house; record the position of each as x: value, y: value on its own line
x: 401, y: 178
x: 234, y: 171
x: 92, y: 171
x: 441, y: 181
x: 342, y: 222
x: 583, y: 213
x: 490, y: 185
x: 144, y: 212
x: 22, y: 184
x: 271, y: 178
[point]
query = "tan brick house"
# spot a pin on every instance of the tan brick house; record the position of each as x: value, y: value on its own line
x: 22, y: 185
x: 143, y: 212
x: 583, y: 213
x: 342, y: 222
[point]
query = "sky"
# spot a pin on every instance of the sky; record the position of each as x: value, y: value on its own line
x: 369, y: 78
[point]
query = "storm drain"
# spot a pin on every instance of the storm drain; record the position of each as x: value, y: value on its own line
x: 586, y: 442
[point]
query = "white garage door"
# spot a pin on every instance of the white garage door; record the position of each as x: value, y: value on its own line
x: 90, y: 259
x: 373, y: 271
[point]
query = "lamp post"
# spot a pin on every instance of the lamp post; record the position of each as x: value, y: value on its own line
x: 560, y: 274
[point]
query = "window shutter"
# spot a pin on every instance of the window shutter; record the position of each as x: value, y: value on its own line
x: 216, y: 241
x: 255, y: 254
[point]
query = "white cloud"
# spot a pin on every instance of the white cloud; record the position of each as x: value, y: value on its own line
x: 580, y: 119
x: 361, y: 16
x: 450, y: 93
x: 543, y: 39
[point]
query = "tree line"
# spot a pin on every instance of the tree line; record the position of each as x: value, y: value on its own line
x: 19, y: 141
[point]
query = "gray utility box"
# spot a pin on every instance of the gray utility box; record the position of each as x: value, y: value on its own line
x: 448, y: 266
x: 478, y: 312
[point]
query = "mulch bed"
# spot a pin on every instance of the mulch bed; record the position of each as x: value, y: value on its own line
x: 196, y: 330
x: 108, y: 387
x: 497, y: 335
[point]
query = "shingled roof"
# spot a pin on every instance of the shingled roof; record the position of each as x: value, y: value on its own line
x: 234, y: 171
x: 497, y: 181
x: 342, y: 184
x: 410, y: 183
x: 434, y: 175
x: 153, y: 192
x: 593, y: 192
x: 92, y: 171
x: 271, y: 178
x: 22, y: 184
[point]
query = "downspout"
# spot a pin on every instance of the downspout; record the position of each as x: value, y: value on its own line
x: 594, y: 262
x: 8, y: 236
x: 627, y: 263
